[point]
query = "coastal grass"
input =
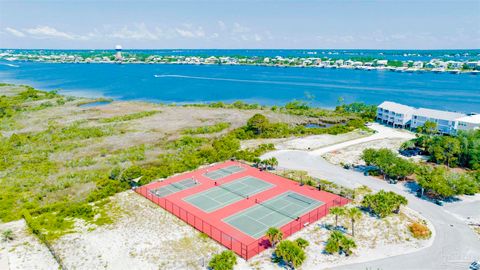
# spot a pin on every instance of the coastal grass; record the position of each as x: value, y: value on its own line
x: 128, y: 117
x: 207, y: 129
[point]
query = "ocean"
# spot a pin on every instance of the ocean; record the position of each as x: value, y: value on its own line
x: 172, y: 83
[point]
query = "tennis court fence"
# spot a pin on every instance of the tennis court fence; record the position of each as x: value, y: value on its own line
x: 244, y: 250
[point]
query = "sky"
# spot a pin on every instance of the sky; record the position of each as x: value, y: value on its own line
x: 229, y: 24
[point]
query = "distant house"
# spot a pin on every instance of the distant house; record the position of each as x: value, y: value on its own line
x: 446, y: 121
x: 468, y: 122
x: 382, y: 63
x: 418, y: 64
x: 394, y: 114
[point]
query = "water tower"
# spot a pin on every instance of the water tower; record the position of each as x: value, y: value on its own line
x: 118, y: 54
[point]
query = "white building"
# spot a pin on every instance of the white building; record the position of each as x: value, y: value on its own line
x: 468, y: 122
x: 394, y: 114
x: 382, y: 63
x: 446, y: 121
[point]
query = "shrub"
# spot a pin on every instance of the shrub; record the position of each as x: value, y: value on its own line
x: 290, y: 253
x: 419, y: 231
x: 223, y: 261
x: 338, y: 242
x: 383, y: 203
x: 7, y: 235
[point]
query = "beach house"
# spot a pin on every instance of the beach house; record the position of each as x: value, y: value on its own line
x: 394, y: 114
x: 468, y: 122
x: 446, y: 121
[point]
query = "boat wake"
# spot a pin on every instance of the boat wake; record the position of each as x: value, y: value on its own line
x: 10, y: 65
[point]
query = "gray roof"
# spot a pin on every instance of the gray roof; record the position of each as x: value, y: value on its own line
x: 437, y: 114
x: 396, y: 107
x: 473, y: 119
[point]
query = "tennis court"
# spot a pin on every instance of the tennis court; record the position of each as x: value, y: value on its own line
x: 220, y: 196
x: 174, y: 187
x: 275, y: 212
x: 223, y: 172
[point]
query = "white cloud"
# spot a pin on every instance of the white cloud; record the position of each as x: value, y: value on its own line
x: 188, y: 31
x: 15, y: 32
x: 47, y: 31
x: 138, y: 32
x: 222, y: 25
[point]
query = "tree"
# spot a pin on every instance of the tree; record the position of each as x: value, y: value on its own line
x: 428, y: 127
x: 290, y: 253
x: 354, y: 214
x: 274, y: 235
x: 223, y: 261
x: 337, y: 211
x: 338, y: 242
x: 258, y: 123
x: 302, y: 243
x: 388, y: 162
x: 383, y: 203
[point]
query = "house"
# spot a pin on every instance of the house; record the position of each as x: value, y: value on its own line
x: 395, y: 114
x: 382, y: 63
x: 418, y: 64
x: 446, y: 121
x: 468, y: 122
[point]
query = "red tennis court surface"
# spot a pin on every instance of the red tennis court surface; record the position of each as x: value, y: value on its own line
x: 235, y: 204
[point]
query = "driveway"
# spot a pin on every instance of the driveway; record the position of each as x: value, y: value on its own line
x: 455, y: 245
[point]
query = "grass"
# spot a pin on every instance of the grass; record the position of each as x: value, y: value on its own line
x: 207, y: 129
x: 128, y: 117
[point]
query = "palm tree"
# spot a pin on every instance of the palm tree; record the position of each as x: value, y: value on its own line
x: 337, y: 211
x: 273, y: 162
x: 354, y: 214
x: 274, y: 235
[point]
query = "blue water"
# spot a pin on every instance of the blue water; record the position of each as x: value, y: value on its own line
x: 265, y: 85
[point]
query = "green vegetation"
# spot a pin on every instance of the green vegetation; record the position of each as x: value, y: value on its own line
x: 440, y: 182
x: 207, y: 129
x: 428, y: 127
x: 383, y: 203
x: 389, y: 164
x: 354, y: 214
x: 291, y: 253
x: 128, y: 117
x: 274, y: 235
x: 337, y: 211
x: 260, y: 127
x: 338, y: 243
x: 7, y: 235
x: 223, y: 261
x: 460, y: 150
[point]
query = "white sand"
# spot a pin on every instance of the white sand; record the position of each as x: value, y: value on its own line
x: 145, y: 237
x: 25, y: 251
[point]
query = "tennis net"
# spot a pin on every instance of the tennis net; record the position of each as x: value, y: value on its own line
x: 276, y: 210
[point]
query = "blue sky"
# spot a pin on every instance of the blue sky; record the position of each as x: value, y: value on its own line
x: 240, y: 24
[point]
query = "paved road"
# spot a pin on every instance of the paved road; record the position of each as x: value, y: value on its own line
x: 381, y: 132
x: 455, y: 245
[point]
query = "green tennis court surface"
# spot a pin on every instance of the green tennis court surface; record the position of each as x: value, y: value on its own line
x: 275, y: 212
x: 223, y: 172
x: 174, y: 187
x: 221, y: 196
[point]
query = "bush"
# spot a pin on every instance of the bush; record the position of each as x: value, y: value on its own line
x: 7, y: 235
x: 419, y: 231
x: 290, y: 253
x: 383, y: 203
x: 388, y: 162
x: 207, y: 129
x: 223, y: 261
x: 338, y: 242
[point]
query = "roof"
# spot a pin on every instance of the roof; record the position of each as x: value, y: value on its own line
x: 473, y: 119
x: 437, y: 114
x: 396, y: 107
